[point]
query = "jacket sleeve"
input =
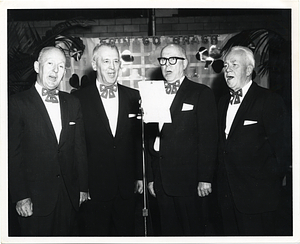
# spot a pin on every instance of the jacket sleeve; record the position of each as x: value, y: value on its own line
x: 277, y: 128
x: 16, y: 171
x: 140, y: 160
x: 207, y: 134
x: 150, y: 132
x: 80, y: 150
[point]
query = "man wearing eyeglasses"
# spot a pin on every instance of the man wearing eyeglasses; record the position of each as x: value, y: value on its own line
x: 183, y: 152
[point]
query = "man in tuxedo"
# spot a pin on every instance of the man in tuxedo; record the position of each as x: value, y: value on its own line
x: 113, y: 137
x: 182, y: 153
x: 253, y: 150
x: 47, y: 153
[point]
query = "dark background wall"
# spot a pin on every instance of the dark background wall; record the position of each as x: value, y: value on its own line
x: 135, y: 22
x: 138, y: 22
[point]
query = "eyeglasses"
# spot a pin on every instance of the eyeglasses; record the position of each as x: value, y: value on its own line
x: 172, y: 60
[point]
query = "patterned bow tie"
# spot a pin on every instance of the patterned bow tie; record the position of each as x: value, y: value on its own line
x: 172, y: 88
x: 51, y: 95
x: 108, y: 91
x: 235, y: 96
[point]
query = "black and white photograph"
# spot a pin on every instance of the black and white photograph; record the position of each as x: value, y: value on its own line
x: 148, y: 122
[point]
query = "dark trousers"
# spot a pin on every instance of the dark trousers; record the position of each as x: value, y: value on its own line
x: 236, y: 223
x: 109, y: 218
x: 180, y: 215
x: 60, y: 222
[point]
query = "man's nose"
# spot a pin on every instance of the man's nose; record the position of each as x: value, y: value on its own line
x: 112, y: 65
x: 55, y: 68
x: 227, y: 68
x: 168, y: 63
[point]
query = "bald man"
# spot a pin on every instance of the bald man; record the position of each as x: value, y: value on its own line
x: 183, y: 152
x: 47, y: 152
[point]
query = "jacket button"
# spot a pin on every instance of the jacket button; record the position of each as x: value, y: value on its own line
x: 58, y: 176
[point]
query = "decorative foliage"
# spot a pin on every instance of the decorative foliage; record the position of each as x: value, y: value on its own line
x: 24, y: 45
x: 210, y: 57
x: 261, y: 41
x: 74, y: 45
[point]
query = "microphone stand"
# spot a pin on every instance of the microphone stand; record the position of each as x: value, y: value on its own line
x: 145, y: 209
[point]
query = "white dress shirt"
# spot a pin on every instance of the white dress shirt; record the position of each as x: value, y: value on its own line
x: 53, y: 110
x: 111, y: 106
x: 233, y: 108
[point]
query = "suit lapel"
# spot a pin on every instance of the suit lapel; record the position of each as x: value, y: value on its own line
x: 97, y: 103
x: 178, y: 100
x: 40, y: 106
x: 123, y: 103
x: 64, y: 118
x: 243, y: 108
x: 179, y: 97
x: 223, y: 114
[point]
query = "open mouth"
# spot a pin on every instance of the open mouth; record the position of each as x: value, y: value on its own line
x: 111, y: 75
x: 52, y: 77
x: 228, y: 77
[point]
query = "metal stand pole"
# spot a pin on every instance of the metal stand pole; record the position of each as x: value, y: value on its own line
x: 145, y: 209
x: 145, y: 212
x: 153, y: 20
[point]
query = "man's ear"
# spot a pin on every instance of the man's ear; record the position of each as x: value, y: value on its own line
x: 94, y: 66
x: 120, y: 64
x: 249, y: 70
x: 185, y: 64
x: 36, y: 66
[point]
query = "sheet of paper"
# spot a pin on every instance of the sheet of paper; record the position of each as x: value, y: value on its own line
x: 155, y: 102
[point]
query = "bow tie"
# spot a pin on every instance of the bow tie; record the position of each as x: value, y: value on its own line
x: 172, y: 88
x: 108, y: 91
x: 235, y: 96
x: 51, y: 95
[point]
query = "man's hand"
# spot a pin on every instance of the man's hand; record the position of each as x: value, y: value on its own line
x: 138, y: 188
x: 151, y: 188
x: 24, y: 207
x: 84, y: 196
x: 204, y: 188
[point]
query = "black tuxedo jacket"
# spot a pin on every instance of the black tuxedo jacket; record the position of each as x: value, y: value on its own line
x: 37, y: 162
x: 255, y: 154
x: 114, y: 162
x: 188, y: 145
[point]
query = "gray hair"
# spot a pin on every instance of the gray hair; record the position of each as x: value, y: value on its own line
x: 98, y: 46
x: 180, y: 48
x: 249, y: 54
x: 46, y: 49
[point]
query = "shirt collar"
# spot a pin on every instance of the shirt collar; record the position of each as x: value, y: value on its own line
x: 39, y: 88
x: 98, y: 83
x: 246, y: 88
x: 244, y: 92
x: 180, y: 80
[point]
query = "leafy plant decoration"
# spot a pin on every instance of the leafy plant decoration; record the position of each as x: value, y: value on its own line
x: 262, y: 41
x: 24, y: 45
